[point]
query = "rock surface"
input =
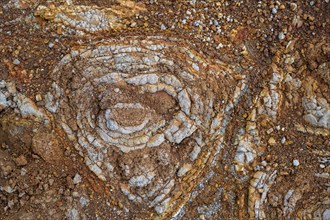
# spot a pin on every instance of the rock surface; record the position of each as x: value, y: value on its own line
x: 164, y: 109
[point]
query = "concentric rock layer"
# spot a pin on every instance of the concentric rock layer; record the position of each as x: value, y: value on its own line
x: 146, y: 113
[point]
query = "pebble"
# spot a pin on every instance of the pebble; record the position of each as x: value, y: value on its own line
x: 51, y: 182
x: 77, y: 179
x: 51, y: 45
x: 11, y: 204
x: 274, y: 10
x: 16, y: 62
x: 326, y: 214
x: 269, y: 131
x: 295, y: 163
x: 83, y: 201
x: 23, y: 172
x: 69, y: 182
x: 162, y: 27
x: 281, y: 36
x: 38, y: 98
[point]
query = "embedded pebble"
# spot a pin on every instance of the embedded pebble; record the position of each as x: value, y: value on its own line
x: 77, y: 179
x: 16, y: 62
x: 281, y: 36
x: 295, y: 163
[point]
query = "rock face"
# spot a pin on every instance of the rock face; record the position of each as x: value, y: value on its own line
x: 130, y: 97
x: 164, y: 110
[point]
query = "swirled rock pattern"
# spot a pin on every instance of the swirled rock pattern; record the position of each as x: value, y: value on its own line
x: 150, y: 104
x: 156, y: 109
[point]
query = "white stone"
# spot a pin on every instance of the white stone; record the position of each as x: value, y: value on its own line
x: 326, y: 214
x: 28, y: 107
x: 295, y: 163
x: 281, y: 36
x: 77, y: 179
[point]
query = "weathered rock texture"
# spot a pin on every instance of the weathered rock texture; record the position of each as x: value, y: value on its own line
x: 127, y: 122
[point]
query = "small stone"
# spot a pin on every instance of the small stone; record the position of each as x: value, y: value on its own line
x: 21, y: 160
x: 269, y: 131
x: 23, y: 172
x: 271, y: 141
x: 274, y: 10
x: 51, y: 45
x: 51, y: 182
x: 77, y: 179
x: 281, y: 36
x: 69, y: 182
x: 163, y: 27
x: 326, y: 214
x: 83, y: 201
x: 322, y: 166
x: 11, y: 204
x: 16, y: 62
x: 295, y: 163
x: 38, y: 98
